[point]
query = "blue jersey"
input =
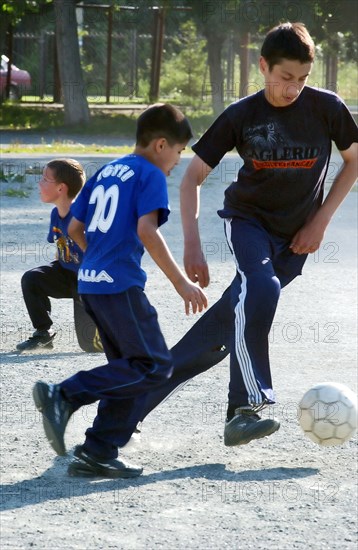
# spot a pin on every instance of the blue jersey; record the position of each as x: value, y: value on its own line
x: 68, y: 253
x: 110, y: 205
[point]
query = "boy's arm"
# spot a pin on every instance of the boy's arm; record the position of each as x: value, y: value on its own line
x: 155, y: 244
x: 310, y: 236
x: 194, y: 261
x: 76, y: 231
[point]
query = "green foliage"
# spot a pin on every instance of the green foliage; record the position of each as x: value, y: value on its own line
x: 42, y: 119
x: 16, y: 117
x: 8, y: 179
x: 101, y: 124
x: 9, y: 176
x: 15, y: 10
x: 333, y: 26
x: 19, y: 193
x: 184, y: 72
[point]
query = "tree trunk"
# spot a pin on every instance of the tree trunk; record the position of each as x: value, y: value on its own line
x: 230, y: 70
x: 334, y: 72
x: 216, y: 74
x: 334, y: 45
x: 9, y: 40
x: 157, y: 51
x: 57, y: 93
x: 331, y: 72
x: 244, y: 64
x: 73, y: 90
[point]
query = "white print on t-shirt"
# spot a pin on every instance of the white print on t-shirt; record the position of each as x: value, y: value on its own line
x: 92, y: 277
x: 100, y: 196
x: 121, y: 171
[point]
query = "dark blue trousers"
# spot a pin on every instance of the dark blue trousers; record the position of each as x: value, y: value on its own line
x: 240, y: 321
x: 264, y: 264
x: 202, y: 347
x: 138, y: 360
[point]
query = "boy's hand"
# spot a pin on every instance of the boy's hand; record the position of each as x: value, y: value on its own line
x: 195, y: 266
x: 191, y: 294
x: 308, y: 239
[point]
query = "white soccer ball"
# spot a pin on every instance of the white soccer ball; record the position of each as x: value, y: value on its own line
x: 328, y: 414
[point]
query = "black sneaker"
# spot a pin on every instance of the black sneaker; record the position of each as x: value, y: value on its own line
x: 39, y: 339
x: 84, y: 465
x: 56, y: 412
x: 247, y: 425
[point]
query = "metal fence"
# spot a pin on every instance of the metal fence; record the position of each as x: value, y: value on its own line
x: 125, y: 78
x: 120, y: 51
x: 121, y: 55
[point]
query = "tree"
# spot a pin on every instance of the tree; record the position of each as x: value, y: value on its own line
x: 209, y: 21
x: 74, y: 95
x: 334, y: 26
x: 183, y: 72
x: 11, y: 14
x: 73, y: 90
x: 229, y: 19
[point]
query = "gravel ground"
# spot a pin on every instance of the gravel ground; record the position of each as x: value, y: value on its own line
x: 283, y: 491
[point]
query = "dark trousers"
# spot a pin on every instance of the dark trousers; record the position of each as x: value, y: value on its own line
x: 213, y: 336
x: 138, y: 360
x: 202, y: 347
x: 264, y: 264
x: 44, y: 282
x: 54, y: 281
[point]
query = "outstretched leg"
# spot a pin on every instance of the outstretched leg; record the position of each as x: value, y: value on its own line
x: 203, y: 346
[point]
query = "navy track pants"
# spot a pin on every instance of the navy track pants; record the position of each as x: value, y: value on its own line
x: 239, y: 327
x: 138, y: 360
x: 264, y: 263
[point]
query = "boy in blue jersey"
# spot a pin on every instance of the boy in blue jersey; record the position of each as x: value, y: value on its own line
x: 61, y: 181
x: 117, y: 215
x: 274, y: 216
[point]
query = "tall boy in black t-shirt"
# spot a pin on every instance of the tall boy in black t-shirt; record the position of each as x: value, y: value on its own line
x: 274, y: 215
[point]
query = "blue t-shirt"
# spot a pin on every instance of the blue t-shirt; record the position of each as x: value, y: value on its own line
x: 286, y: 153
x: 110, y: 205
x: 68, y: 253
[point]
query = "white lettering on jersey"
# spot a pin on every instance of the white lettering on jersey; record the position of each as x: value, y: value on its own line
x: 100, y: 220
x: 92, y: 277
x: 121, y: 171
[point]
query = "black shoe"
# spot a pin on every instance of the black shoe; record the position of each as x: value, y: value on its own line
x: 39, y: 339
x: 247, y: 425
x: 56, y: 412
x: 84, y: 465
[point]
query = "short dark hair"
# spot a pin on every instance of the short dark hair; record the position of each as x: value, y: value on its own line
x: 163, y: 120
x: 70, y: 172
x: 288, y: 41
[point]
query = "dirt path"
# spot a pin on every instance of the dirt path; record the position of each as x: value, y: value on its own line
x: 282, y: 492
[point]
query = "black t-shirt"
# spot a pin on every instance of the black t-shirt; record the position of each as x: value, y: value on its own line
x: 286, y: 152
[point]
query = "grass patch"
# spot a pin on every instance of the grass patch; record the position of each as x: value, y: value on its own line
x: 17, y: 193
x: 47, y: 120
x: 106, y: 122
x: 67, y: 148
x: 43, y: 118
x: 9, y: 176
x: 16, y: 117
